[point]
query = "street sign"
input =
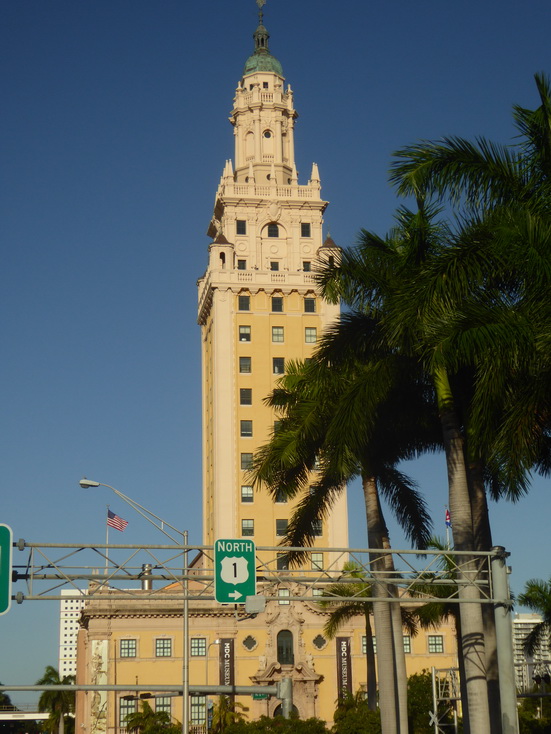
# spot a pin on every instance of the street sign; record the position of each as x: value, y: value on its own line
x: 260, y: 696
x: 234, y: 570
x: 5, y: 568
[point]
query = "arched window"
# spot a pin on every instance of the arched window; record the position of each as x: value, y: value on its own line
x: 222, y: 260
x: 285, y: 654
x: 278, y: 711
x: 273, y: 230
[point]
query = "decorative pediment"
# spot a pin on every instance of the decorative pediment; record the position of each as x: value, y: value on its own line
x: 274, y: 671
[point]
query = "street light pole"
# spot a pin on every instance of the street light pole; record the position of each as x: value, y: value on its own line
x: 214, y: 642
x: 140, y: 509
x: 148, y: 515
x: 207, y: 701
x: 185, y: 652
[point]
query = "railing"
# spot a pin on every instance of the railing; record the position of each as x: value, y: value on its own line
x: 282, y: 192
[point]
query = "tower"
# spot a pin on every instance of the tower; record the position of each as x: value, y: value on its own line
x: 258, y: 305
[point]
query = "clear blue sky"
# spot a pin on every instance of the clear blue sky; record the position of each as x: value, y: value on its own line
x: 114, y: 134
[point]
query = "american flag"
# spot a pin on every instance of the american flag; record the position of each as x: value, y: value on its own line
x: 114, y: 521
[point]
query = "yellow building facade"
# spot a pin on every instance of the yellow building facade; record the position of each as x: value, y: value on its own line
x: 258, y: 309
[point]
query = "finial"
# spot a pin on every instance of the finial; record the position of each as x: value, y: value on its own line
x: 261, y: 4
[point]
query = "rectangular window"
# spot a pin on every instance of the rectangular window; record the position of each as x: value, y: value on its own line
x: 246, y: 429
x: 317, y: 527
x: 286, y: 594
x: 305, y: 230
x: 246, y: 493
x: 310, y: 335
x: 163, y: 647
x: 265, y: 85
x: 274, y: 265
x: 436, y: 643
x: 309, y: 305
x: 273, y: 230
x: 198, y: 710
x: 245, y: 365
x: 317, y: 561
x: 407, y: 644
x: 282, y: 562
x: 128, y: 648
x: 241, y: 264
x: 163, y: 703
x: 198, y: 647
x: 125, y: 709
x: 306, y: 266
x: 241, y: 226
x: 281, y: 527
x: 280, y: 497
x: 246, y: 461
x: 277, y: 304
x: 247, y: 527
x: 244, y: 303
x: 245, y: 396
x: 278, y: 365
x: 244, y: 333
x: 277, y: 334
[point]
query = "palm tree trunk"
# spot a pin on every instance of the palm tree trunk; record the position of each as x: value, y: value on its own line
x: 483, y: 542
x: 376, y: 530
x: 371, y: 684
x: 61, y: 727
x: 398, y: 637
x: 472, y: 630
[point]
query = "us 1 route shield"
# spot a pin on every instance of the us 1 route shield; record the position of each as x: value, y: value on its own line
x: 234, y: 570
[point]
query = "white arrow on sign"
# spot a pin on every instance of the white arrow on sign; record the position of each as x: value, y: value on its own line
x: 235, y: 595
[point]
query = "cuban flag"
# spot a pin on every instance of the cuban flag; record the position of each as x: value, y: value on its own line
x: 448, y: 519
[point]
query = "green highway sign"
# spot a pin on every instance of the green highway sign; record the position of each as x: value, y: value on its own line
x: 234, y: 570
x: 5, y: 568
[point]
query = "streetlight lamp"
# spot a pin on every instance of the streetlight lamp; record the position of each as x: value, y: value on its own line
x: 140, y: 509
x: 151, y: 517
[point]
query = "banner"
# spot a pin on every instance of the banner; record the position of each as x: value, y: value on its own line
x: 227, y: 662
x: 344, y: 667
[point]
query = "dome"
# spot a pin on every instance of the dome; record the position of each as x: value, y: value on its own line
x: 262, y: 62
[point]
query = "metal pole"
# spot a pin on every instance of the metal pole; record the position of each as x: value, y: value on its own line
x: 185, y: 653
x: 286, y: 695
x: 504, y: 638
x: 434, y: 700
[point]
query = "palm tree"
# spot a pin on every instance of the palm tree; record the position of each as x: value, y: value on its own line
x: 325, y: 424
x: 501, y: 272
x: 387, y: 279
x: 537, y: 597
x: 486, y: 297
x: 226, y: 713
x: 58, y: 703
x: 148, y: 721
x: 342, y: 612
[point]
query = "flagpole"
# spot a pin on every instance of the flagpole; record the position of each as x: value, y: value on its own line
x: 447, y: 529
x: 107, y: 544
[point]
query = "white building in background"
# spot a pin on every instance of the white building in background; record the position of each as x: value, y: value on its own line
x: 69, y: 615
x: 528, y: 666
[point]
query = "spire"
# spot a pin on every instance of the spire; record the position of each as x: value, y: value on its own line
x: 261, y: 35
x: 262, y: 59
